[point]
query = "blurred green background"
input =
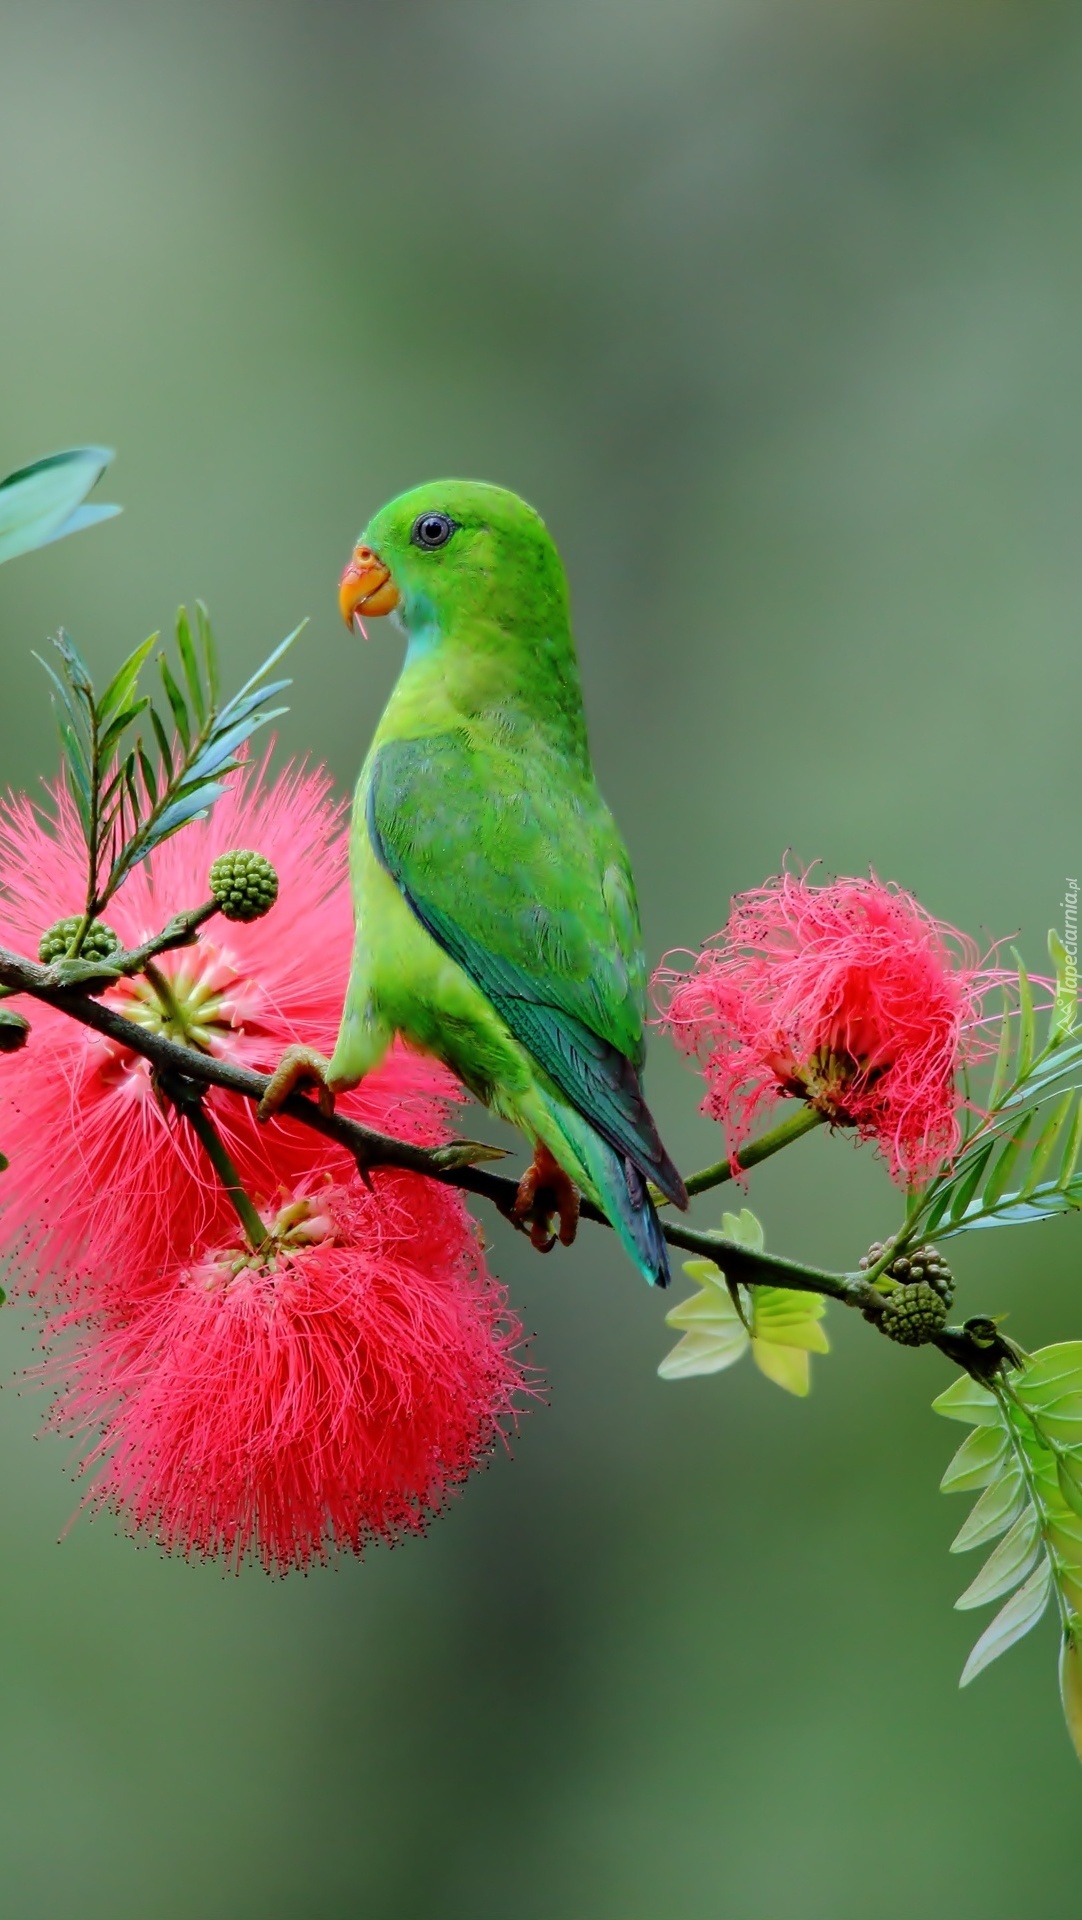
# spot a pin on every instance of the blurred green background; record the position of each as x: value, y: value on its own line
x: 773, y: 310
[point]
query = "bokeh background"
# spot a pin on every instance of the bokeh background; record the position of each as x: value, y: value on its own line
x: 772, y: 307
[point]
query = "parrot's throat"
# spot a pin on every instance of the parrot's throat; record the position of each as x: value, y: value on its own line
x: 422, y: 641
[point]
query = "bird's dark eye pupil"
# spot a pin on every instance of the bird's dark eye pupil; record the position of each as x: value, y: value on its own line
x: 432, y: 530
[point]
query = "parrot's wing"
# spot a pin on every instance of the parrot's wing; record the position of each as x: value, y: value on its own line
x: 520, y: 875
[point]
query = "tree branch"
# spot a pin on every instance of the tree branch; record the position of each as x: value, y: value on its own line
x: 454, y: 1164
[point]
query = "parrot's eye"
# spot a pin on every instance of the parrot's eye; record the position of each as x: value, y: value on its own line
x: 432, y: 530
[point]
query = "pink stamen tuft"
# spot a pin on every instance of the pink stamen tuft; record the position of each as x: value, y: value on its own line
x: 847, y: 995
x: 109, y: 1192
x: 334, y: 1395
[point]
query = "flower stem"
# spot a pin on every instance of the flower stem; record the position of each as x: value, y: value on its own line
x: 217, y: 1153
x: 804, y: 1120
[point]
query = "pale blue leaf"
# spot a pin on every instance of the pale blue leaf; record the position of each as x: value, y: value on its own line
x: 44, y: 501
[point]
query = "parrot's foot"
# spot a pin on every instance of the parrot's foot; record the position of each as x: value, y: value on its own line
x: 545, y: 1189
x: 298, y: 1067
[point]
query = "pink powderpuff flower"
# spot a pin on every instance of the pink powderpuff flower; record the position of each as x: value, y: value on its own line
x: 108, y: 1191
x: 330, y: 1395
x: 848, y: 996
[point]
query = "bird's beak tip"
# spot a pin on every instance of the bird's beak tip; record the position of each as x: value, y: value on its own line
x: 365, y: 588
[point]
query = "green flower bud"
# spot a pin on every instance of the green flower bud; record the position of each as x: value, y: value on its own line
x: 14, y: 1030
x: 244, y: 884
x: 920, y: 1265
x: 913, y: 1314
x: 99, y: 942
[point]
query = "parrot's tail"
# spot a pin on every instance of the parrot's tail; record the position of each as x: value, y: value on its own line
x: 616, y: 1184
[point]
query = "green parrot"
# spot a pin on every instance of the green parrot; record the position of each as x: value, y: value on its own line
x: 496, y: 920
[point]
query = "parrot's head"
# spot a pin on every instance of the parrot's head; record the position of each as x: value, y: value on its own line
x: 454, y: 555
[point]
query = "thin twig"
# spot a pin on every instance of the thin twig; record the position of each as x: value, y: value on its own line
x: 372, y: 1149
x: 804, y: 1120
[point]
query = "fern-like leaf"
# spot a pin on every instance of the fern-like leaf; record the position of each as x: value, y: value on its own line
x: 1025, y: 1457
x: 131, y: 795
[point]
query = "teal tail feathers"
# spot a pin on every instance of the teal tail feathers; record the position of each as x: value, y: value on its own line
x: 620, y: 1191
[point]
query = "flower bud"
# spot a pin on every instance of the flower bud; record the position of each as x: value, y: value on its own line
x: 14, y: 1030
x: 919, y: 1264
x: 99, y: 941
x: 913, y: 1314
x: 244, y: 884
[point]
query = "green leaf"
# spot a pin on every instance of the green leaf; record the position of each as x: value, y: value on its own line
x: 209, y: 651
x: 77, y: 777
x: 967, y: 1400
x: 1070, y: 1686
x: 1012, y: 1623
x: 1064, y: 1547
x: 150, y: 782
x: 783, y: 1322
x: 261, y: 672
x: 1050, y: 1390
x: 785, y: 1317
x: 44, y: 501
x: 1009, y: 1564
x: 969, y: 1183
x: 1067, y: 1059
x: 190, y: 665
x: 996, y: 1183
x: 978, y: 1460
x: 712, y: 1301
x: 784, y: 1332
x: 1003, y: 1056
x: 111, y: 737
x: 76, y: 713
x: 177, y: 702
x: 1027, y: 1452
x: 1046, y: 1142
x: 122, y: 685
x: 745, y: 1229
x: 1064, y: 1012
x: 785, y: 1367
x: 164, y: 744
x: 192, y: 769
x: 1071, y: 1148
x: 938, y: 1211
x: 131, y: 783
x: 76, y: 669
x: 997, y: 1509
x: 715, y: 1337
x: 701, y: 1353
x: 1069, y: 1475
x: 1013, y: 1211
x: 76, y: 756
x: 1027, y: 1023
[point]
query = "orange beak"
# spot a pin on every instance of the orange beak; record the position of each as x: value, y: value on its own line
x: 365, y: 587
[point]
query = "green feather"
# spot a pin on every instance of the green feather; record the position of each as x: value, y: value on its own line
x: 478, y: 801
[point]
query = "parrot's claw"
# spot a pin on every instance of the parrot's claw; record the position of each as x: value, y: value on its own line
x: 298, y: 1067
x: 545, y: 1189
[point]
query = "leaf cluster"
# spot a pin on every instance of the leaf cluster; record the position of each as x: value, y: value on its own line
x: 139, y: 766
x: 1020, y: 1160
x: 723, y: 1321
x: 1024, y: 1457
